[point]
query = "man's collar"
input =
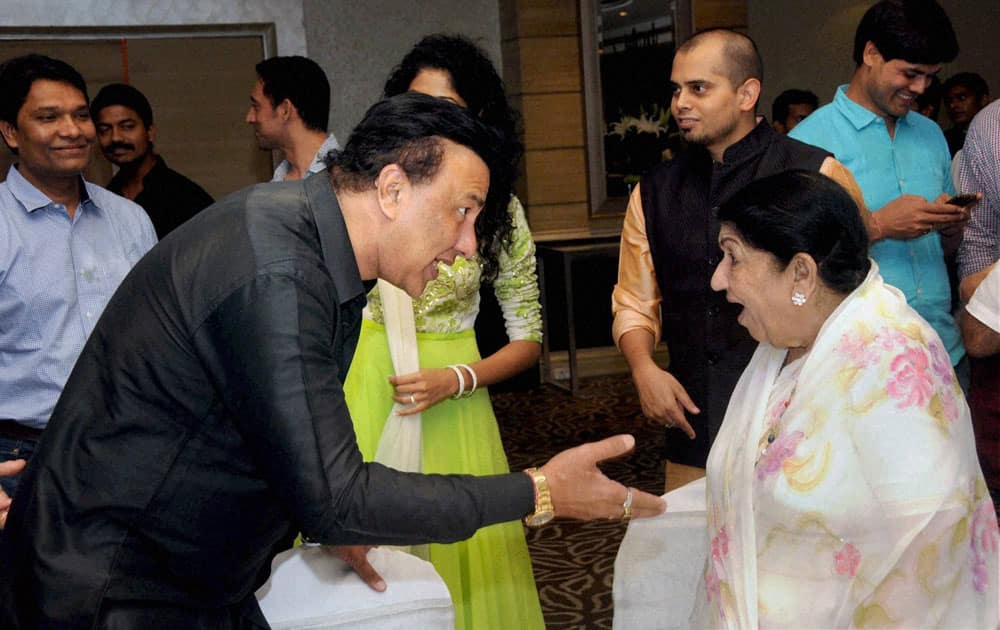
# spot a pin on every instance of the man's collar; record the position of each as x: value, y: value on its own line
x: 338, y: 251
x: 759, y: 138
x: 155, y: 173
x: 859, y: 115
x: 32, y: 198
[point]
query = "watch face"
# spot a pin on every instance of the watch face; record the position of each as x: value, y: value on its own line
x: 540, y: 518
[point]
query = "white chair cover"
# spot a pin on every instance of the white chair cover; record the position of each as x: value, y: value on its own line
x: 660, y: 562
x: 310, y: 589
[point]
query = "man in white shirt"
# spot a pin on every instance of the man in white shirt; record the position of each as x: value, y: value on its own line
x: 289, y: 110
x: 980, y: 324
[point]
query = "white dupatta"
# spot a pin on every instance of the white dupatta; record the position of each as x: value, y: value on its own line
x: 401, y: 443
x: 848, y: 493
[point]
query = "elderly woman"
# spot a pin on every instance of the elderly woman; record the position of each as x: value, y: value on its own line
x: 843, y: 488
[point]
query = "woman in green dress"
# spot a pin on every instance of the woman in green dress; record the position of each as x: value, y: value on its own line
x: 489, y: 575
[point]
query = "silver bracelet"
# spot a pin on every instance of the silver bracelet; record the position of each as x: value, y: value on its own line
x: 461, y: 382
x: 475, y: 379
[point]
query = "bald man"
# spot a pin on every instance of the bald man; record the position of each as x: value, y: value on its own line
x: 669, y: 250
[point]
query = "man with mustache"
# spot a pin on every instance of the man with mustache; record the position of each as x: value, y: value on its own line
x: 900, y: 159
x: 126, y: 132
x: 669, y: 248
x: 65, y: 245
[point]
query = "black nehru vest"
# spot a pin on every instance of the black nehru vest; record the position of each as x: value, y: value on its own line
x: 708, y: 348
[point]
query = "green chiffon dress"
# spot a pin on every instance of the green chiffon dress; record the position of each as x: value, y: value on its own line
x: 489, y: 575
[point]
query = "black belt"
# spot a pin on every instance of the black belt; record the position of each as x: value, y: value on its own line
x: 16, y: 431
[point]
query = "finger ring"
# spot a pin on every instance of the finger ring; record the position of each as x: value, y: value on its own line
x: 627, y: 505
x: 413, y: 399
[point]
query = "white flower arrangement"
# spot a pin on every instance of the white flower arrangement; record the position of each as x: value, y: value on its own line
x: 654, y: 122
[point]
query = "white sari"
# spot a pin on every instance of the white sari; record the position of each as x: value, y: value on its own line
x: 844, y: 490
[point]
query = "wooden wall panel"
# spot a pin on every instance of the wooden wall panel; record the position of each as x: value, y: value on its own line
x: 568, y: 220
x: 544, y: 78
x: 552, y: 120
x: 719, y: 14
x: 556, y: 176
x: 545, y: 18
x: 550, y: 64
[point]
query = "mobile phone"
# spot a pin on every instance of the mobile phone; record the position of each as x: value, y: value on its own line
x: 962, y: 200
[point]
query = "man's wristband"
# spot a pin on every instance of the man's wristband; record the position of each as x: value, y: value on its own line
x: 544, y: 511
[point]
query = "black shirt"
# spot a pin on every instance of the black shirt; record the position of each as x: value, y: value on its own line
x: 956, y: 139
x: 168, y: 197
x: 205, y: 424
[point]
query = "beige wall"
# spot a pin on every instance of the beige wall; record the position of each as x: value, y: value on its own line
x: 808, y: 44
x: 286, y: 15
x: 358, y: 43
x: 543, y: 76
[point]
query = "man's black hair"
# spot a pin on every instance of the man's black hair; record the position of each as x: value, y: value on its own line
x: 18, y: 74
x: 471, y: 72
x: 407, y: 130
x: 740, y: 53
x: 969, y: 80
x: 803, y: 211
x: 126, y: 96
x: 931, y: 97
x: 475, y: 79
x: 303, y: 83
x: 779, y: 109
x: 916, y: 31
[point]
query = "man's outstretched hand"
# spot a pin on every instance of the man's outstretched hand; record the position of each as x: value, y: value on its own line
x: 580, y: 490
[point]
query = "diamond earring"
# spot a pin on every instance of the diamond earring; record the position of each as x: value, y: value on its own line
x: 798, y: 298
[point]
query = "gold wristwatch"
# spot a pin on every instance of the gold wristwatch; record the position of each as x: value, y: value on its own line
x: 544, y: 512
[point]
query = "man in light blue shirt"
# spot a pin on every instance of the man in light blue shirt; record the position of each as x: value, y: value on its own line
x: 65, y: 244
x: 899, y: 158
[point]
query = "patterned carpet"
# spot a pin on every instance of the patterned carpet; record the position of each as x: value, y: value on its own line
x: 574, y: 561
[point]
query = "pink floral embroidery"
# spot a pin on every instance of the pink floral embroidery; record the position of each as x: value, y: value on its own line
x: 980, y: 575
x: 717, y: 569
x: 910, y: 383
x: 983, y: 541
x: 847, y: 560
x: 890, y: 339
x: 777, y: 452
x: 711, y: 583
x: 941, y: 363
x: 857, y: 350
x: 720, y: 544
x: 949, y: 405
x: 776, y: 412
